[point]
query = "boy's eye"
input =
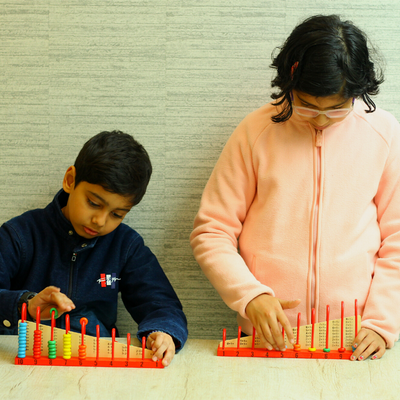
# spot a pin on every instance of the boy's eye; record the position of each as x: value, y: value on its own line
x: 117, y: 215
x: 92, y: 204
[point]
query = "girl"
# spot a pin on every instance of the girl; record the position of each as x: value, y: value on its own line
x: 308, y: 190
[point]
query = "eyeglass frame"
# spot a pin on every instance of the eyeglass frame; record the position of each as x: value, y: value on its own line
x: 319, y: 112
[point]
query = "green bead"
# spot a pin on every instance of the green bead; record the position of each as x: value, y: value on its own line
x: 327, y: 350
x: 52, y: 349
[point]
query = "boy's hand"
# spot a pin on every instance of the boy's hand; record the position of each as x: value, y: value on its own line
x: 266, y: 313
x: 49, y: 298
x: 163, y: 347
x: 366, y: 343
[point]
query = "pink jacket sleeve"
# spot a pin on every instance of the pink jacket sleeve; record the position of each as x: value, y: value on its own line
x: 382, y: 309
x: 218, y: 224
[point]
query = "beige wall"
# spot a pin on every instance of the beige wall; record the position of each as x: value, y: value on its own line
x: 178, y: 75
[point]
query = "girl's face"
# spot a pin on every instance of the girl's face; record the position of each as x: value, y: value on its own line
x: 335, y: 102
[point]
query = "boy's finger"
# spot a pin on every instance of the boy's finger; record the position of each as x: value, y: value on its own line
x: 62, y: 301
x: 150, y: 341
x: 168, y: 356
x: 159, y: 352
x: 157, y: 340
x: 46, y: 293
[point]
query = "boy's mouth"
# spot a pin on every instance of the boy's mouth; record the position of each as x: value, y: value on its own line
x: 90, y: 231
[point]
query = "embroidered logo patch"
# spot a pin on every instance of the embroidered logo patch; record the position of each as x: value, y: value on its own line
x: 108, y: 280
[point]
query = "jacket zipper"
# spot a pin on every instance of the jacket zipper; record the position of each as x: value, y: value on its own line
x: 71, y: 274
x: 312, y: 297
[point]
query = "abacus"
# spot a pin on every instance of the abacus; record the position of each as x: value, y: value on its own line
x: 327, y: 333
x: 89, y: 351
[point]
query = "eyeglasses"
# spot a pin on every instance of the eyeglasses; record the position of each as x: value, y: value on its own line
x: 334, y: 113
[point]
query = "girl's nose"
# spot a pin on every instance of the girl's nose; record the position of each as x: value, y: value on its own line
x: 321, y: 120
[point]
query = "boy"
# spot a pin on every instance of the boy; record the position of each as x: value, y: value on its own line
x: 76, y: 255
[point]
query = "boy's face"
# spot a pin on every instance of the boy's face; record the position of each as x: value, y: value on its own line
x: 92, y: 210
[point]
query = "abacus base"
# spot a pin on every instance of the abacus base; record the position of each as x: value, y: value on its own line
x: 289, y: 353
x: 90, y: 362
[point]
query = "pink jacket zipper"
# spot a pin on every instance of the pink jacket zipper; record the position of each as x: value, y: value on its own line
x: 313, y: 278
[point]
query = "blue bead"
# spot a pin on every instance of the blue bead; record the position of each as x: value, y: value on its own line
x: 22, y: 340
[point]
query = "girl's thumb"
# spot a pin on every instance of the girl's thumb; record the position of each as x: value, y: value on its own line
x: 289, y: 303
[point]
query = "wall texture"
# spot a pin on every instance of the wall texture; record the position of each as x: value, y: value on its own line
x: 178, y: 75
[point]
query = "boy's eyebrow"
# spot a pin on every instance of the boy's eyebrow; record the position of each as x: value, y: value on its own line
x: 106, y: 203
x: 306, y: 102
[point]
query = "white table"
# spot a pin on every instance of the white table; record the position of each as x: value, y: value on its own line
x: 196, y: 373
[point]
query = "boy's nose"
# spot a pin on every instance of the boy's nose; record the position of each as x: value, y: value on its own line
x: 99, y: 219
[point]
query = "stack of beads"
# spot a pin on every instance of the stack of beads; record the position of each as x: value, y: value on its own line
x: 52, y: 343
x: 37, y: 337
x: 22, y: 333
x: 67, y: 340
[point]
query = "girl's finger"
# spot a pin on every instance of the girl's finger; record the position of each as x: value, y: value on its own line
x: 265, y: 336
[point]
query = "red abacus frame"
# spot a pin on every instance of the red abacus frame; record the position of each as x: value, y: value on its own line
x: 81, y: 360
x: 311, y: 353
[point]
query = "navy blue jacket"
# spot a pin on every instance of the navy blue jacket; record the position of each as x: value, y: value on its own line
x: 40, y: 248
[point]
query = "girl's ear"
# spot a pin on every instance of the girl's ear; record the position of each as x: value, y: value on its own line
x: 69, y: 179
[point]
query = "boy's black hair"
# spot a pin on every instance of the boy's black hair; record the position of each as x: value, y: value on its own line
x: 117, y: 162
x: 333, y: 58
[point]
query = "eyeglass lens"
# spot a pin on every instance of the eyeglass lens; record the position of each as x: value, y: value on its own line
x: 309, y: 112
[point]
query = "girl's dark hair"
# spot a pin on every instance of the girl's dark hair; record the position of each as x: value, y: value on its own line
x: 117, y: 162
x: 333, y: 58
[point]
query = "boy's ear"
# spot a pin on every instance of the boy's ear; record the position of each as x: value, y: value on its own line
x: 69, y: 179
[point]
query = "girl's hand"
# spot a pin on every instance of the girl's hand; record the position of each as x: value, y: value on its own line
x: 366, y: 343
x: 266, y: 313
x: 49, y: 298
x: 163, y: 347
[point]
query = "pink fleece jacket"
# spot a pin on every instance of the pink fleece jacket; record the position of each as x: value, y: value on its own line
x: 344, y: 245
